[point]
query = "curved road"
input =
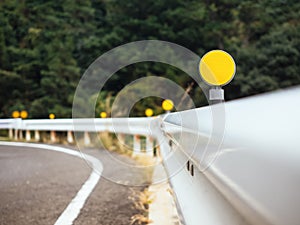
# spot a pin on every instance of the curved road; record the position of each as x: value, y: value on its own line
x: 37, y: 185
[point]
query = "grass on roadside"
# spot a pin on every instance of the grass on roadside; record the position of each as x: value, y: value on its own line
x: 141, y: 201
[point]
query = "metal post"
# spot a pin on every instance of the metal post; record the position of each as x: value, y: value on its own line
x: 52, y: 136
x: 149, y: 145
x: 136, y: 144
x: 28, y: 135
x: 10, y: 133
x: 122, y: 144
x: 70, y: 138
x: 16, y: 134
x: 37, y: 135
x: 87, y: 140
x: 216, y: 94
x: 21, y: 134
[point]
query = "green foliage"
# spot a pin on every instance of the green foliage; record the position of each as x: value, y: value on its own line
x: 45, y: 46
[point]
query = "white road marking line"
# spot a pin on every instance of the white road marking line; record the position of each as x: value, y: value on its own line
x: 73, y: 209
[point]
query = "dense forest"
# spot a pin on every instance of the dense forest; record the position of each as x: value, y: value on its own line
x: 46, y: 45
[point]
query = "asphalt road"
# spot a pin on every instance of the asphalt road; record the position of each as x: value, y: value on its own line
x: 37, y: 185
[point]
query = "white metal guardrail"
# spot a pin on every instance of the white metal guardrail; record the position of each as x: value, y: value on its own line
x: 251, y: 177
x: 7, y: 123
x: 119, y: 125
x: 256, y: 177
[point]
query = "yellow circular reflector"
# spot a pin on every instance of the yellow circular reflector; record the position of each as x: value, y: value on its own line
x: 148, y: 112
x: 217, y: 68
x: 15, y: 114
x: 103, y: 114
x: 167, y: 105
x: 51, y: 116
x: 24, y: 114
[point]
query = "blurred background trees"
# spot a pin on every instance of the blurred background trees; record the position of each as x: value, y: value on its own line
x: 45, y: 47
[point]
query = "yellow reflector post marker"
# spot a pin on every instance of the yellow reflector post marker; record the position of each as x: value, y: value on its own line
x: 51, y: 116
x: 103, y: 114
x: 148, y: 112
x: 217, y: 68
x: 15, y: 114
x: 24, y: 114
x: 167, y: 105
